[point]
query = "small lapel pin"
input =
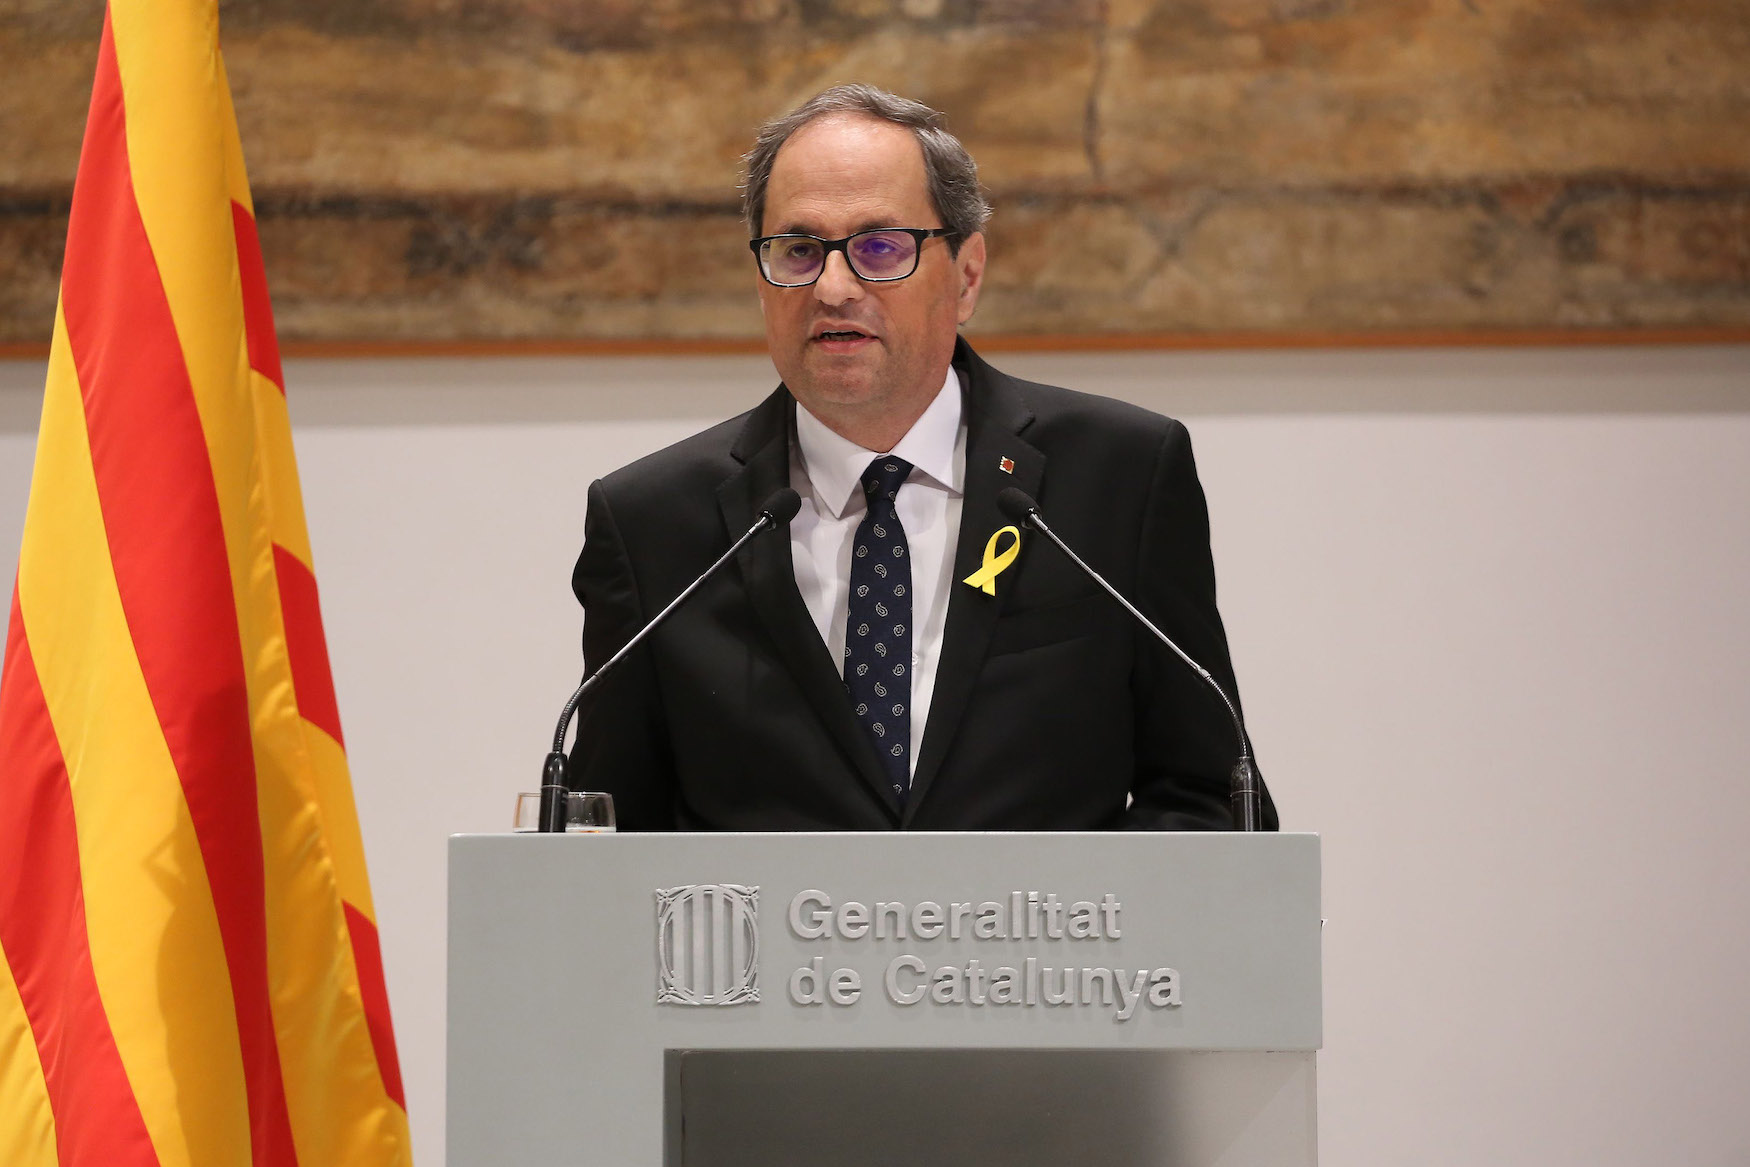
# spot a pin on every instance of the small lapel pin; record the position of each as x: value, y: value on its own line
x: 1007, y: 465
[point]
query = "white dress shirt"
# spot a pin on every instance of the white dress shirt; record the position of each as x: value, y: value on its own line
x: 827, y: 470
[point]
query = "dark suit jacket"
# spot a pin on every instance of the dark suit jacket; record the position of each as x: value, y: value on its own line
x: 1052, y: 709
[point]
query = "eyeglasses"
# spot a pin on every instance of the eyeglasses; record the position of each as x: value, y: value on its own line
x: 889, y: 253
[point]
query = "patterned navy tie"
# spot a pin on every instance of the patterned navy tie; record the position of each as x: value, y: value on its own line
x: 878, y: 630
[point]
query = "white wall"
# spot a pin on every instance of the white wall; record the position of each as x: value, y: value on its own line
x: 1489, y: 612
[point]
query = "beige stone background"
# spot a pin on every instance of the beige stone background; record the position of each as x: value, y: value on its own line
x: 555, y: 170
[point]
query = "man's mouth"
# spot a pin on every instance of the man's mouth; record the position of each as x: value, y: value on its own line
x: 841, y: 337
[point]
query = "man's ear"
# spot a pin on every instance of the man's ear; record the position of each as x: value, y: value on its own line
x: 970, y: 266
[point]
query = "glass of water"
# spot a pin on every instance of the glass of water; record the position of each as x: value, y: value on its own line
x: 587, y: 812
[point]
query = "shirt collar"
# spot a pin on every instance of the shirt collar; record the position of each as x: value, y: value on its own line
x: 835, y: 464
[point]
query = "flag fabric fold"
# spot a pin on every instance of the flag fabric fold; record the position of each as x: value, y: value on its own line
x: 191, y: 972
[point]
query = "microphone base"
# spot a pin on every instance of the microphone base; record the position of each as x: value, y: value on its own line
x: 1244, y: 800
x: 554, y: 794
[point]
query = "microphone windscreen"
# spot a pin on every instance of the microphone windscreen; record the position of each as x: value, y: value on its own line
x: 782, y: 505
x: 1015, y: 503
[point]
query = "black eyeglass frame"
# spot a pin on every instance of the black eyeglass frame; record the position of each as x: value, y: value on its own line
x: 918, y: 235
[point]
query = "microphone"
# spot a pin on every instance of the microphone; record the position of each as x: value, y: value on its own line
x: 777, y: 511
x: 1245, y: 787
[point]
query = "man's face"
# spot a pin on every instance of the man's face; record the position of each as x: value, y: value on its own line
x: 838, y: 175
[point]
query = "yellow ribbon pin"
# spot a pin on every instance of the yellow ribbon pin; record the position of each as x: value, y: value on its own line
x: 995, y: 561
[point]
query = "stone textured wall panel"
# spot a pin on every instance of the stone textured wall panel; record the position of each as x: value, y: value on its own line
x: 541, y: 169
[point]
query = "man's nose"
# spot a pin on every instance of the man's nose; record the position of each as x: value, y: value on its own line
x: 837, y: 283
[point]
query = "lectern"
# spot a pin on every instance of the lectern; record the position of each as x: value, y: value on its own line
x: 841, y: 1000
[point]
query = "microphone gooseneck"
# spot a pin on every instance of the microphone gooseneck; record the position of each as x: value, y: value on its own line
x: 1244, y: 794
x: 776, y: 511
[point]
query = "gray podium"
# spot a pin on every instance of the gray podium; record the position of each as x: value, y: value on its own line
x: 917, y: 999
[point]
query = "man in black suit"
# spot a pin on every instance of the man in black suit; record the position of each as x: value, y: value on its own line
x: 896, y: 660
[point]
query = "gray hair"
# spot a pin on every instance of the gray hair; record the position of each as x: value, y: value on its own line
x: 949, y: 169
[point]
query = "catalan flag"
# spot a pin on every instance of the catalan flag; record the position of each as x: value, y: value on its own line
x: 189, y: 968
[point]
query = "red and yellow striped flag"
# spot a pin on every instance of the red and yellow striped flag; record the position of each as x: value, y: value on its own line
x: 191, y: 974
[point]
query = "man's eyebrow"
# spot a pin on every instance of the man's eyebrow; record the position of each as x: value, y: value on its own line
x: 800, y: 227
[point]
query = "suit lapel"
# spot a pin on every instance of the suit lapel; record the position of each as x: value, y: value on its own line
x: 995, y: 416
x: 769, y: 575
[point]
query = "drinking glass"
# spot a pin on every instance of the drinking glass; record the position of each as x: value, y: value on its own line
x: 587, y: 812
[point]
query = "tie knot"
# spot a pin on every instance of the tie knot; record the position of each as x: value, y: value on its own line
x: 885, y: 475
